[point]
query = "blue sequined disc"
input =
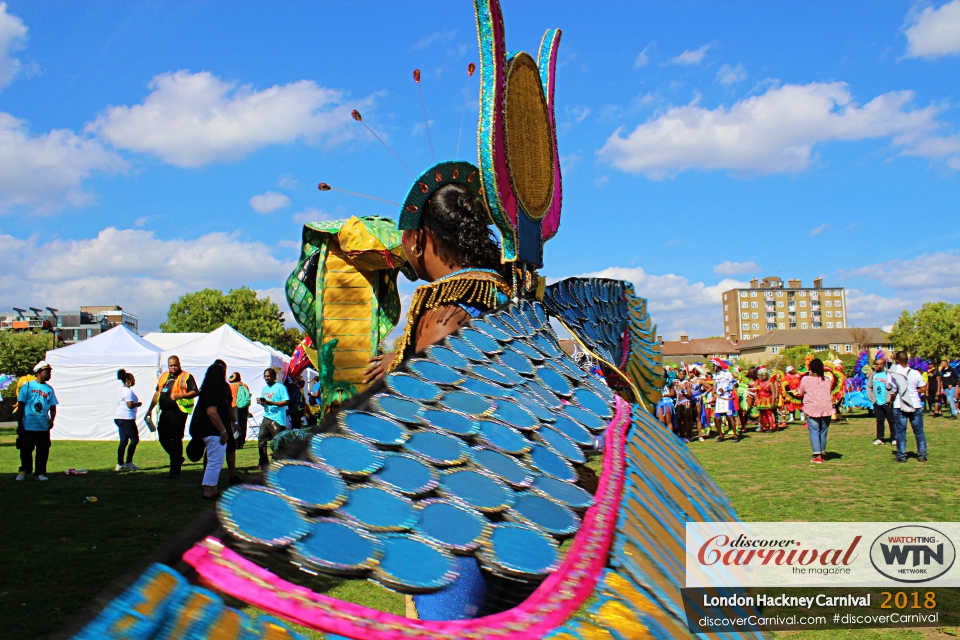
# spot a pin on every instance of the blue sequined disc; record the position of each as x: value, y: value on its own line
x: 451, y: 421
x: 451, y: 525
x: 413, y: 564
x: 379, y: 509
x: 406, y: 474
x: 309, y: 485
x: 373, y: 428
x: 477, y: 490
x: 261, y: 516
x: 565, y: 492
x: 437, y: 448
x: 348, y: 456
x: 337, y: 547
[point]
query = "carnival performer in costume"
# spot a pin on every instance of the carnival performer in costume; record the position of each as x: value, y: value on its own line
x: 684, y: 411
x: 838, y: 392
x: 725, y: 409
x: 448, y: 243
x: 665, y: 405
x: 766, y: 400
x: 791, y: 382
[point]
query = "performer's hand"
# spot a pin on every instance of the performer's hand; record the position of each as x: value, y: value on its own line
x: 378, y: 367
x: 223, y: 437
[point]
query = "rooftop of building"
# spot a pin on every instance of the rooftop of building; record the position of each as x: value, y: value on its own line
x: 797, y: 337
x: 697, y: 346
x: 774, y: 282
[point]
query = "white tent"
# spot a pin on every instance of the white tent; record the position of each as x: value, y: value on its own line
x: 171, y: 340
x: 85, y: 381
x: 241, y: 354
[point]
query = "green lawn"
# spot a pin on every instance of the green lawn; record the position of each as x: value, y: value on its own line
x: 60, y: 552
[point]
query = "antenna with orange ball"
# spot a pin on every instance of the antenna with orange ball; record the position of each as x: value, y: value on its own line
x: 416, y: 78
x: 466, y: 95
x: 356, y: 116
x: 323, y: 186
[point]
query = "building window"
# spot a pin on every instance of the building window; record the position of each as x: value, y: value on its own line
x: 779, y: 314
x: 779, y: 294
x: 838, y: 314
x: 724, y: 296
x: 745, y: 316
x: 839, y: 325
x: 793, y: 325
x: 836, y: 293
x: 753, y: 294
x: 89, y: 333
x: 774, y: 350
x: 756, y: 327
x: 726, y: 318
x: 828, y: 303
x: 803, y: 325
x: 746, y: 327
x: 727, y: 329
x: 829, y: 314
x: 781, y: 326
x: 803, y: 303
x: 744, y: 305
x: 754, y: 315
x: 780, y: 303
x: 726, y: 307
x: 848, y: 348
x: 829, y: 325
x: 754, y: 305
x: 816, y: 325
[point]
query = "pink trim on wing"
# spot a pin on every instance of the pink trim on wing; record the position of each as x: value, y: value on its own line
x: 551, y: 220
x: 557, y: 598
x: 508, y: 200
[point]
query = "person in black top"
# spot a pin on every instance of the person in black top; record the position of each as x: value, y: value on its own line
x: 212, y: 422
x: 933, y: 392
x: 295, y: 404
x: 948, y: 384
x: 176, y: 392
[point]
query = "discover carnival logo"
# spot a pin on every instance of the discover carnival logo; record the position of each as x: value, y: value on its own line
x: 912, y: 554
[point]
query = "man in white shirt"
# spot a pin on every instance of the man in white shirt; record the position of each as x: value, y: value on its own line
x: 907, y: 384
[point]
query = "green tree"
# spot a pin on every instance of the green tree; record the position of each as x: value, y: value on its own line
x: 793, y: 356
x: 257, y: 318
x: 19, y: 352
x: 932, y: 332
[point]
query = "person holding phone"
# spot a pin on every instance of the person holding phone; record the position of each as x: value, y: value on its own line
x: 212, y: 418
x: 273, y: 398
x: 125, y: 417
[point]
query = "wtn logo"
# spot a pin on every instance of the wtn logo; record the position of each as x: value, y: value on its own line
x: 899, y: 554
x: 912, y: 553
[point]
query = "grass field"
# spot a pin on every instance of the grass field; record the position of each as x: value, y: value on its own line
x: 59, y: 552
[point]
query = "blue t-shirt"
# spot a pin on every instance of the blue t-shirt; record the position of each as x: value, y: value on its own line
x: 275, y: 393
x: 880, y: 387
x: 36, y: 398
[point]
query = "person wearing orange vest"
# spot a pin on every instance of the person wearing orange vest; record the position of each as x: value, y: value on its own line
x: 176, y: 390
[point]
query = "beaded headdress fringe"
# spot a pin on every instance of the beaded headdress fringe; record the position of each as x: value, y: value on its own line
x: 476, y: 287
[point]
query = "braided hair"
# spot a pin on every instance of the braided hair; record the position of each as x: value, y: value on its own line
x: 459, y: 222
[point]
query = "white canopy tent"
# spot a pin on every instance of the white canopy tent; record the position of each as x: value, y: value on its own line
x: 171, y: 340
x: 242, y: 355
x: 87, y: 388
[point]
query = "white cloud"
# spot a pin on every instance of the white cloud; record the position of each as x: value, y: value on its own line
x: 774, y: 132
x: 729, y: 268
x: 730, y: 75
x: 676, y: 304
x: 930, y: 277
x: 642, y: 58
x: 310, y: 214
x: 287, y: 181
x: 691, y: 56
x: 13, y: 36
x: 193, y: 119
x: 934, y: 32
x: 269, y: 202
x: 44, y: 173
x: 132, y: 268
x: 438, y: 36
x: 818, y: 230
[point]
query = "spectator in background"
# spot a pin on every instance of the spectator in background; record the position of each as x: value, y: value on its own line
x: 37, y: 409
x: 176, y: 390
x: 125, y: 417
x: 948, y: 384
x: 933, y: 392
x: 294, y: 387
x: 815, y: 390
x: 241, y: 401
x: 882, y: 399
x: 907, y: 385
x: 273, y: 398
x: 212, y: 420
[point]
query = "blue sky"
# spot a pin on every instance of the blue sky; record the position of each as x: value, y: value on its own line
x: 152, y: 148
